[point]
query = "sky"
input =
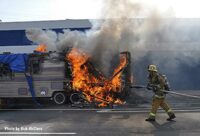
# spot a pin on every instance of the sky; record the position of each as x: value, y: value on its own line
x: 30, y: 10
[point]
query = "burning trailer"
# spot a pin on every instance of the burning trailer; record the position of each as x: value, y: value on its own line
x: 69, y: 76
x: 91, y: 86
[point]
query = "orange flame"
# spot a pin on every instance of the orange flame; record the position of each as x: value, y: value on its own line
x: 41, y: 48
x: 98, y: 89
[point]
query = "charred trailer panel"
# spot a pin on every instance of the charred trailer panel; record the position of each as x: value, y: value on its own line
x: 67, y: 85
x: 126, y: 77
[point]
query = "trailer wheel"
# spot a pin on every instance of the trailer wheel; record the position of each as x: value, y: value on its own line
x: 75, y: 98
x: 59, y: 98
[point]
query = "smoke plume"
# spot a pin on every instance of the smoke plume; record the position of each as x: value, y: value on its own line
x: 167, y: 42
x: 38, y: 36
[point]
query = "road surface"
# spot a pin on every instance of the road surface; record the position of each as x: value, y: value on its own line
x: 96, y: 122
x: 126, y: 120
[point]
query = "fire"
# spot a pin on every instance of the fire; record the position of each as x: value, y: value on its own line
x: 41, y: 48
x: 95, y: 88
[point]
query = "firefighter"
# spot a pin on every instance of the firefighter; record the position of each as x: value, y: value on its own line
x: 157, y: 83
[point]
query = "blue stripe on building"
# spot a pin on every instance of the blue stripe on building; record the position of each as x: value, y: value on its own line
x: 13, y: 33
x: 18, y: 37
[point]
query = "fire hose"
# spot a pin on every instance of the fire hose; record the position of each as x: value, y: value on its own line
x: 165, y: 91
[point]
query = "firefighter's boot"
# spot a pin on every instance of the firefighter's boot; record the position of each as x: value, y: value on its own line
x: 171, y: 117
x: 150, y: 119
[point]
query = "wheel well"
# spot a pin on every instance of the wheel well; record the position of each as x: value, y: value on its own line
x: 58, y: 92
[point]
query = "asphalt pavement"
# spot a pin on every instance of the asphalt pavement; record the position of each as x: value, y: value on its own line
x: 96, y: 122
x: 25, y: 118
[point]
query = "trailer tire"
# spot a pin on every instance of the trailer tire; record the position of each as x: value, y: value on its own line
x: 59, y: 98
x: 75, y: 98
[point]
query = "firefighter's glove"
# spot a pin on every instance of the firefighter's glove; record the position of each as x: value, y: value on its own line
x: 149, y: 87
x: 168, y: 89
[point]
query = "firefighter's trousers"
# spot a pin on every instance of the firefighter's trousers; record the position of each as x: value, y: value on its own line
x: 159, y: 102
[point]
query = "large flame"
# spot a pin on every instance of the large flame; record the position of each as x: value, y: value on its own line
x: 98, y: 89
x: 41, y: 48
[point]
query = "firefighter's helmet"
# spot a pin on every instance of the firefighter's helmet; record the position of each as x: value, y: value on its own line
x: 152, y: 68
